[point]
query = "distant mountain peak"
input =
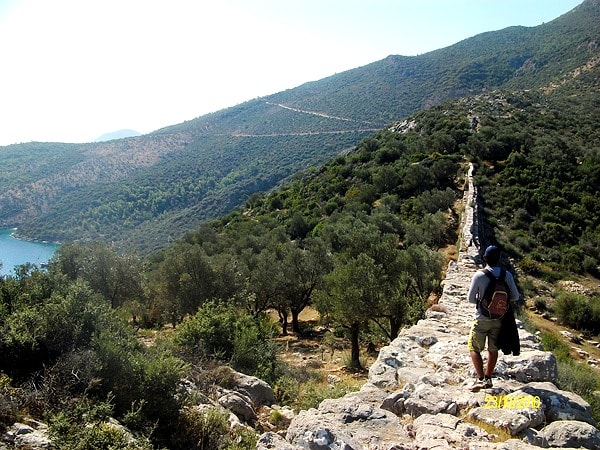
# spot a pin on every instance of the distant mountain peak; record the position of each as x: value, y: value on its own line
x: 119, y: 134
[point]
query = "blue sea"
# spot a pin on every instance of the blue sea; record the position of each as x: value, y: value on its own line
x: 15, y: 252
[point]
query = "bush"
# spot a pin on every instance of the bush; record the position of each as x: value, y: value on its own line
x: 540, y: 304
x: 133, y: 374
x: 9, y: 405
x: 578, y: 378
x: 87, y: 426
x: 581, y: 379
x: 572, y: 259
x: 578, y: 311
x: 208, y: 333
x: 305, y: 390
x: 254, y: 351
x: 573, y: 376
x: 287, y: 390
x: 313, y: 393
x: 529, y: 266
x: 225, y: 333
x: 590, y: 265
x: 209, y: 429
x: 554, y: 344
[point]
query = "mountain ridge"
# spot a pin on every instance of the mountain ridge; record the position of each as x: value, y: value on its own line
x: 144, y: 192
x: 119, y: 134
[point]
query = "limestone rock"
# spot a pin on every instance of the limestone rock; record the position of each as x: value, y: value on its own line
x: 559, y: 404
x: 400, y: 353
x: 33, y: 435
x: 394, y: 403
x: 238, y: 404
x: 259, y: 392
x: 429, y: 400
x: 273, y: 441
x: 445, y: 429
x: 571, y: 433
x: 348, y: 422
x: 533, y: 365
x: 512, y: 420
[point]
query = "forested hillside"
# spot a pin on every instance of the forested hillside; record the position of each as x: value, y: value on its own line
x: 357, y: 238
x: 145, y: 192
x: 365, y: 227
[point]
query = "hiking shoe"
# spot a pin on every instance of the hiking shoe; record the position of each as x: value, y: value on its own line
x: 488, y: 382
x: 478, y: 385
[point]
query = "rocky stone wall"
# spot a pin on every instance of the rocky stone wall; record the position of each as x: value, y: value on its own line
x: 417, y: 396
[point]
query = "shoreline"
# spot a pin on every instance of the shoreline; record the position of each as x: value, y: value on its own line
x: 15, y: 235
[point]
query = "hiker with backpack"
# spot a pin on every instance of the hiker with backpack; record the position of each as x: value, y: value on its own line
x: 492, y: 290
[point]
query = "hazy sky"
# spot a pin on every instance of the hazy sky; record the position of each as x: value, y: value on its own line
x: 72, y: 70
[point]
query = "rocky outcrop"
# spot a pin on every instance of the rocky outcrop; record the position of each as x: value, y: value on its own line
x: 417, y: 396
x: 30, y: 435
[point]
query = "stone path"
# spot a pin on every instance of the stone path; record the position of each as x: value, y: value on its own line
x: 417, y: 396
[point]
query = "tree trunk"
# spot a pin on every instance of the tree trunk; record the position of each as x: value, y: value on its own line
x: 355, y: 349
x: 295, y: 323
x: 283, y: 318
x: 395, y: 325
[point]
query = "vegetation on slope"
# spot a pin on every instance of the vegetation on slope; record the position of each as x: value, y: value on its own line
x: 365, y: 226
x: 539, y: 175
x: 63, y: 329
x: 146, y: 192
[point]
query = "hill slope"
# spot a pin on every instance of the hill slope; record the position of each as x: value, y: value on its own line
x: 147, y: 191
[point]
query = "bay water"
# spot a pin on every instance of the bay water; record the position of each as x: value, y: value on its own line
x: 15, y: 252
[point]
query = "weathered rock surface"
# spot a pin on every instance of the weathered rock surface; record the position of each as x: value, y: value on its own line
x: 259, y: 392
x: 417, y: 396
x: 570, y: 433
x: 32, y: 435
x: 238, y: 404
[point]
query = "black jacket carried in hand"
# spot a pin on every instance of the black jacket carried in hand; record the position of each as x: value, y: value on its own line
x: 508, y: 339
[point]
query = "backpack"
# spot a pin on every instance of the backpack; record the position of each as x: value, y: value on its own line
x: 495, y: 301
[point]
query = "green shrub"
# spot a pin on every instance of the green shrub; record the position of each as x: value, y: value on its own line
x: 578, y: 378
x: 9, y: 402
x: 590, y: 265
x: 529, y: 266
x: 540, y: 304
x: 224, y: 332
x: 87, y: 426
x: 209, y: 429
x: 578, y: 311
x: 313, y: 393
x: 254, y: 351
x: 554, y: 344
x: 277, y: 418
x: 572, y: 259
x: 573, y: 376
x: 157, y: 385
x: 594, y: 401
x: 287, y: 390
x: 209, y: 332
x: 134, y: 374
x: 581, y: 379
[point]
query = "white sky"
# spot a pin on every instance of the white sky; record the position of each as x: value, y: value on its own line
x: 72, y: 70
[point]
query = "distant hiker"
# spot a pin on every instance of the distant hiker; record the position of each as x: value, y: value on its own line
x: 492, y: 290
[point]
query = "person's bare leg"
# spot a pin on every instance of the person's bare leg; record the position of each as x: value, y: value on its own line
x: 478, y: 363
x: 491, y: 363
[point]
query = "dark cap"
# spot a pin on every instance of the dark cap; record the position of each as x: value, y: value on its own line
x: 492, y: 250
